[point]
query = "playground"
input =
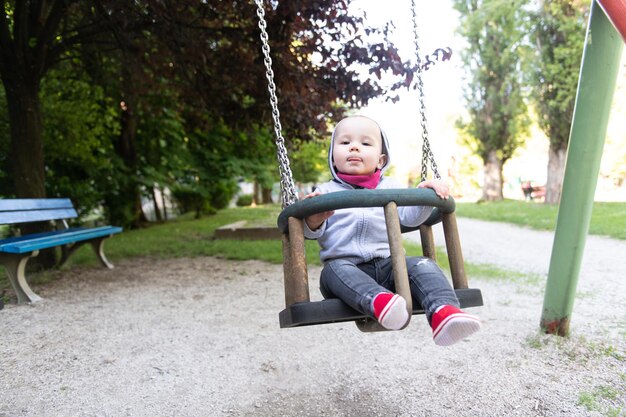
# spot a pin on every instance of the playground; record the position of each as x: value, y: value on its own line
x: 200, y: 336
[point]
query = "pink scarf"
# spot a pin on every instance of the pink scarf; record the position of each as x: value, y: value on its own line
x: 364, y: 181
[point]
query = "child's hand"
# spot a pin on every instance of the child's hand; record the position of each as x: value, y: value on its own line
x: 440, y: 187
x: 314, y: 221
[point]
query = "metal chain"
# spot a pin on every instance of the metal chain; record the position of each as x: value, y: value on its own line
x: 427, y: 154
x: 287, y: 186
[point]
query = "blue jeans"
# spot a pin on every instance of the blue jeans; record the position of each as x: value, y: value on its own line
x: 356, y: 285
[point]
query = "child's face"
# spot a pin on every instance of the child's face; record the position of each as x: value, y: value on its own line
x: 357, y: 147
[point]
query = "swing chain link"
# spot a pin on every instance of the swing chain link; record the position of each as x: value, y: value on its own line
x: 288, y: 189
x: 286, y: 182
x: 427, y: 154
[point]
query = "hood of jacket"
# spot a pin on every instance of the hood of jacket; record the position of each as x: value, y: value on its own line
x: 385, y: 150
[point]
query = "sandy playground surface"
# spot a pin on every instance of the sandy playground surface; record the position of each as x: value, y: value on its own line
x: 200, y: 337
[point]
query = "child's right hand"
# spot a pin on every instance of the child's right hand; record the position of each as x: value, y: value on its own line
x: 315, y: 221
x: 440, y: 187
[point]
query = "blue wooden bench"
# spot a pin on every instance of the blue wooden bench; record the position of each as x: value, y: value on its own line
x: 15, y: 251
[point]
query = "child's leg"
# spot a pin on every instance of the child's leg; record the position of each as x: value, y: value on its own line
x: 360, y: 287
x: 429, y: 286
x: 431, y: 289
x: 343, y: 279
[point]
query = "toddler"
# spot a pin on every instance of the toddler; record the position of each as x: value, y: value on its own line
x: 354, y: 246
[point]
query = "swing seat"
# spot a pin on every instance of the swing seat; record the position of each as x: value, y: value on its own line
x: 368, y: 198
x: 333, y: 310
x: 300, y: 311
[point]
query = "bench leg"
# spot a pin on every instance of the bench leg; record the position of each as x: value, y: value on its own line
x: 67, y: 251
x: 15, y: 265
x: 98, y: 246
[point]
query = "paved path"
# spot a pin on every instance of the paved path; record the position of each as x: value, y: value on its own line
x: 199, y: 337
x: 603, y: 269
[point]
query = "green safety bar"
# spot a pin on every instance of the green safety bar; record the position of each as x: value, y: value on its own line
x: 367, y: 198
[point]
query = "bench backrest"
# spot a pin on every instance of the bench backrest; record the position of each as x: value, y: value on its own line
x: 25, y: 210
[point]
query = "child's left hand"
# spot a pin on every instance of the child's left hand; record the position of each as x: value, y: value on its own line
x: 440, y: 187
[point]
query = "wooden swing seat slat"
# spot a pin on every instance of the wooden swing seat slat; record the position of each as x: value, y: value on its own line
x: 300, y: 311
x: 333, y: 310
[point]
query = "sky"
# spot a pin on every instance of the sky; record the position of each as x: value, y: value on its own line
x: 437, y: 23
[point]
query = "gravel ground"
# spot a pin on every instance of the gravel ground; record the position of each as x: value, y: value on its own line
x: 200, y: 337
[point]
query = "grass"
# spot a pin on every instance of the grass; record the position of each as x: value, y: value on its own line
x: 189, y: 237
x: 577, y: 348
x: 607, y: 219
x: 183, y: 237
x: 603, y: 399
x: 600, y: 399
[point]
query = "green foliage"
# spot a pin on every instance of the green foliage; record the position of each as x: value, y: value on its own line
x: 498, y: 119
x: 559, y: 35
x: 191, y: 199
x: 309, y: 160
x: 222, y: 192
x: 244, y: 200
x: 217, y: 158
x: 79, y: 121
x: 255, y: 157
x: 136, y: 98
x: 161, y: 138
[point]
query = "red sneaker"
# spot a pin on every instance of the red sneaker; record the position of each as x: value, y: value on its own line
x: 451, y: 325
x: 390, y: 310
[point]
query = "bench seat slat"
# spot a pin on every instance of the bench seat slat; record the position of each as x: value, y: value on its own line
x: 11, y: 217
x: 50, y: 234
x: 19, y: 204
x: 15, y: 251
x: 24, y: 244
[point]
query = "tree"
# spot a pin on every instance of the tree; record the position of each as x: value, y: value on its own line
x: 78, y: 120
x: 208, y: 51
x: 309, y: 161
x: 559, y: 37
x: 31, y: 42
x: 498, y: 119
x: 23, y: 61
x: 5, y: 145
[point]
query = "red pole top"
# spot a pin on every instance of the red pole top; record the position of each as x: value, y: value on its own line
x: 616, y: 12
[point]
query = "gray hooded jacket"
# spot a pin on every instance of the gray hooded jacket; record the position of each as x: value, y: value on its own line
x: 359, y: 234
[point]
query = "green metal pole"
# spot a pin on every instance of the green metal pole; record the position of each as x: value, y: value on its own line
x: 596, y: 85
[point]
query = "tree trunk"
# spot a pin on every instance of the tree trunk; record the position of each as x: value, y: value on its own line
x: 27, y: 154
x: 556, y: 170
x: 126, y: 208
x: 162, y: 190
x: 27, y: 157
x: 256, y: 194
x: 157, y: 211
x: 267, y: 195
x: 492, y: 183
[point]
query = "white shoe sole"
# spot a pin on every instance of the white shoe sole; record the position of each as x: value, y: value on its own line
x: 394, y: 316
x: 455, y: 328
